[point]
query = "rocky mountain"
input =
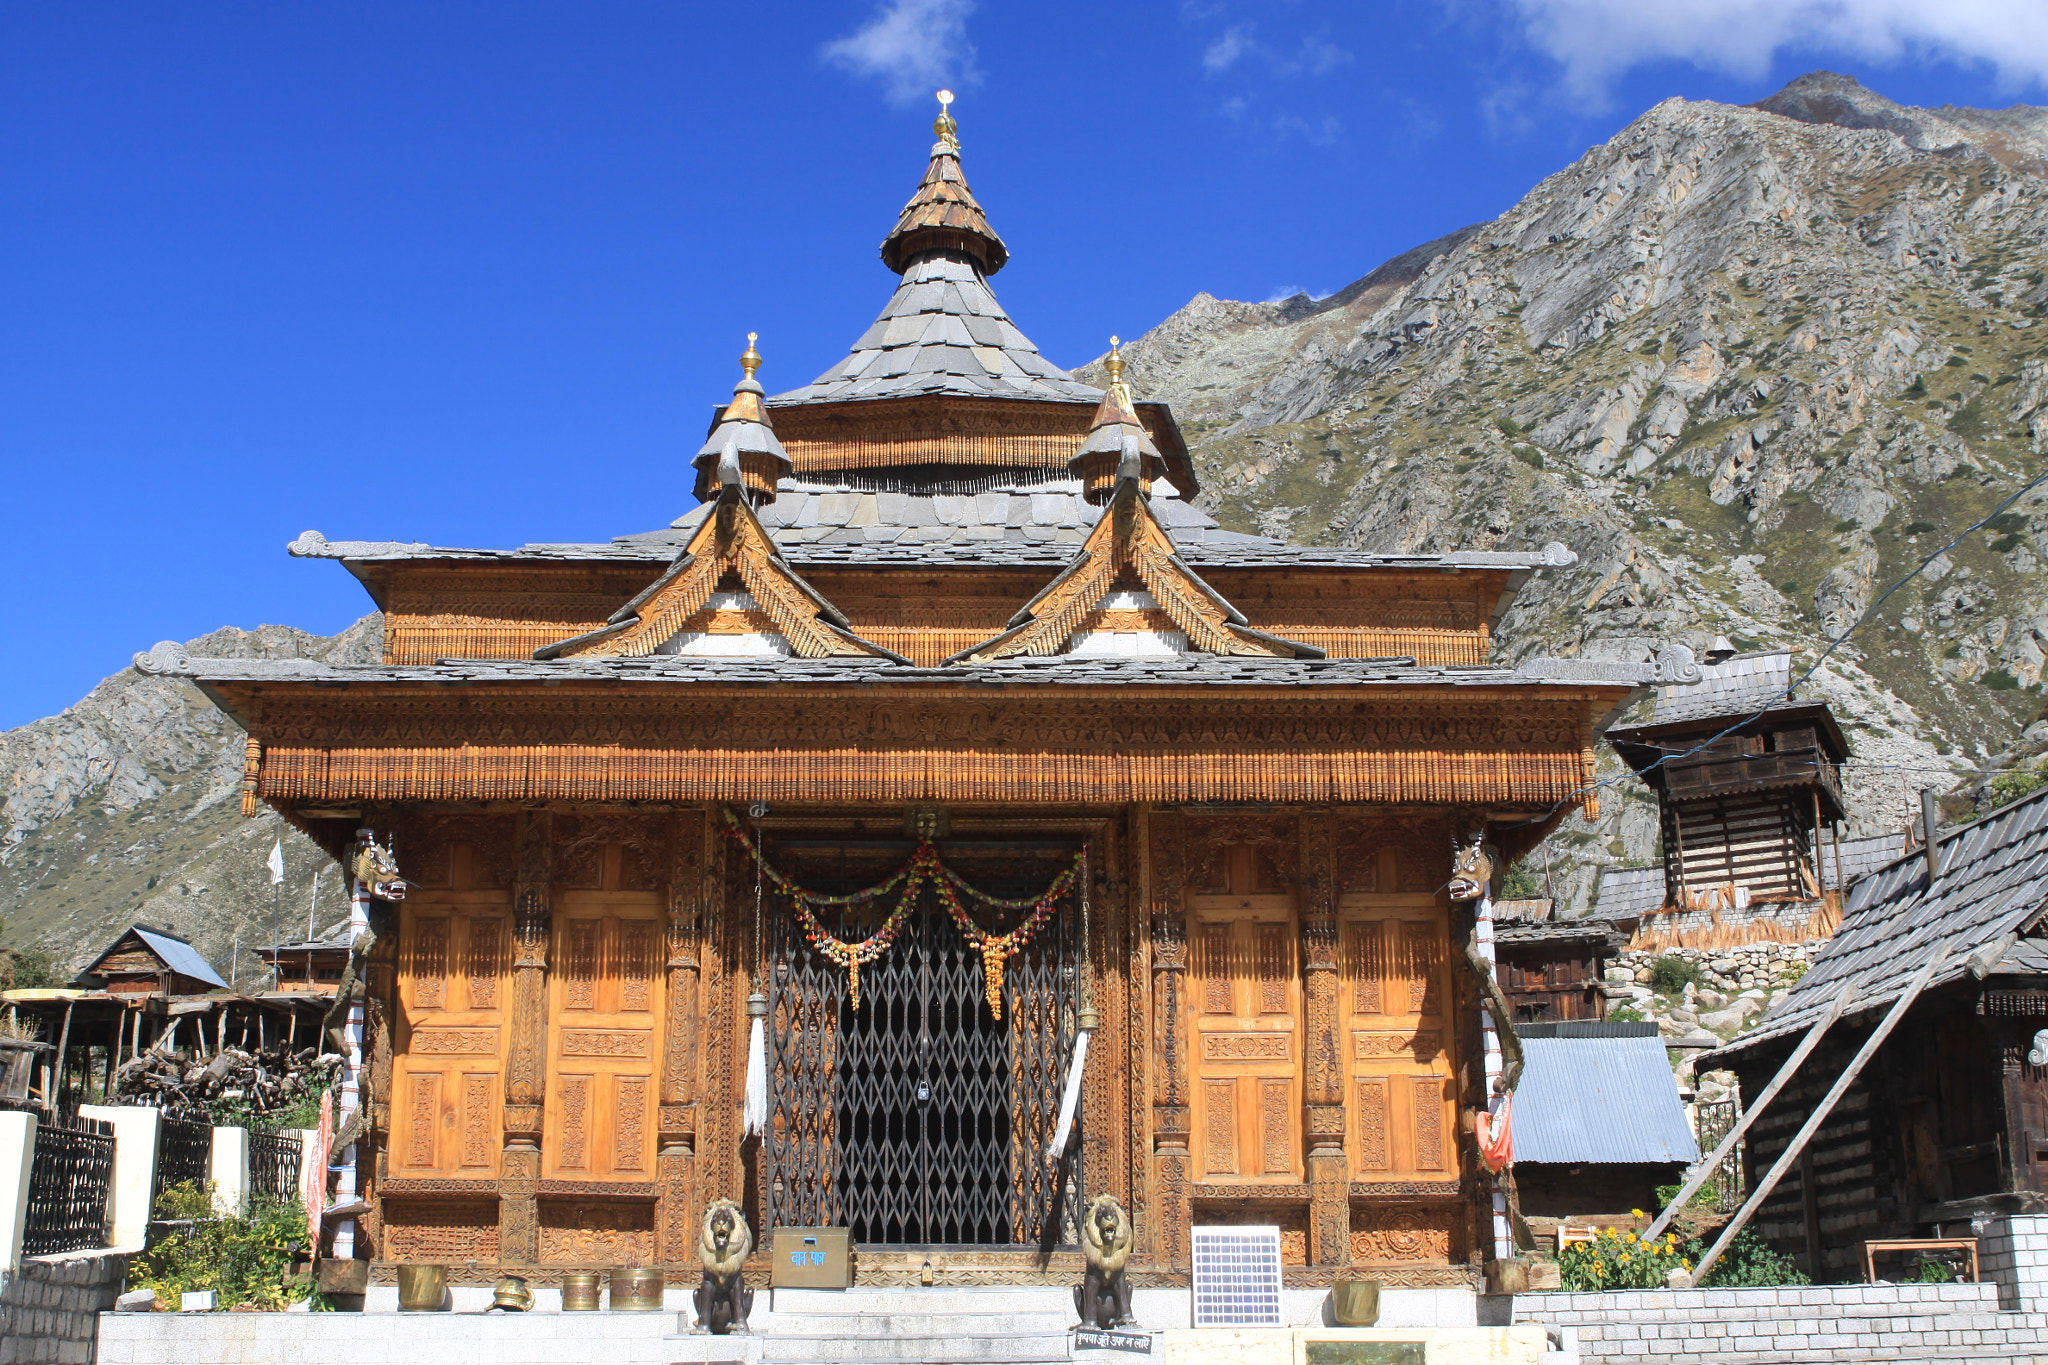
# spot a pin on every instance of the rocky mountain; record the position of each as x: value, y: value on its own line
x: 126, y: 808
x: 1753, y: 363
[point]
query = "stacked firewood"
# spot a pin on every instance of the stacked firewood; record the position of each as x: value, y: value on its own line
x: 262, y: 1079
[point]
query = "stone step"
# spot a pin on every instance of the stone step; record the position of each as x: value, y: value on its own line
x: 912, y: 1324
x: 916, y: 1350
x: 920, y: 1299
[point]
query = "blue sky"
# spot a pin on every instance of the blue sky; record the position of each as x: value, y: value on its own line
x: 476, y: 274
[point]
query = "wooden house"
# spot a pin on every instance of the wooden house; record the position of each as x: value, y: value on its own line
x: 1550, y: 969
x: 307, y: 966
x: 1748, y: 787
x: 145, y: 961
x: 1947, y: 1124
x: 945, y: 727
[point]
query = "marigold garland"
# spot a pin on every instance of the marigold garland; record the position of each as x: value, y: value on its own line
x: 924, y: 866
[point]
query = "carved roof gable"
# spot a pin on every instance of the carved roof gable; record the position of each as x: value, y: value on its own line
x: 729, y: 592
x: 1128, y: 580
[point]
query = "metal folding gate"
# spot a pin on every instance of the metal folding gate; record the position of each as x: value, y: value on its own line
x: 919, y: 1119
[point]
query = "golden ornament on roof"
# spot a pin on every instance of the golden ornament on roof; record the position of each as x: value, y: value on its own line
x: 943, y: 125
x: 750, y: 360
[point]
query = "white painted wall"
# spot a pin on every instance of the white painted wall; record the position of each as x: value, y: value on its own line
x: 17, y: 1160
x: 137, y: 1130
x: 230, y: 1172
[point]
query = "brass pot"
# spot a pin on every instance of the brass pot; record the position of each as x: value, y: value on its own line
x: 636, y: 1290
x: 512, y: 1295
x: 422, y: 1288
x: 581, y: 1291
x: 1355, y: 1303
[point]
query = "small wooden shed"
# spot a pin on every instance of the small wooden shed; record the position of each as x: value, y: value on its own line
x: 146, y: 961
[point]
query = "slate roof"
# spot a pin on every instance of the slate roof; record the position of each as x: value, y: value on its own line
x: 942, y: 332
x: 174, y: 952
x: 1581, y: 929
x: 1599, y: 1100
x: 170, y: 659
x: 1737, y: 686
x: 1993, y: 887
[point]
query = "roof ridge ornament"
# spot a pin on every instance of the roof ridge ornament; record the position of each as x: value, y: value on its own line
x: 743, y: 448
x: 1117, y: 446
x: 943, y: 215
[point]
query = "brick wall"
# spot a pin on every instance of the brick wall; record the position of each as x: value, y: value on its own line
x: 49, y: 1309
x: 2012, y: 1251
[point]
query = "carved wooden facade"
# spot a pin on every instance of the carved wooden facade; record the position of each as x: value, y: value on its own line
x: 1282, y: 1029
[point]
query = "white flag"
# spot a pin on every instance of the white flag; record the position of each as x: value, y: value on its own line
x: 276, y: 863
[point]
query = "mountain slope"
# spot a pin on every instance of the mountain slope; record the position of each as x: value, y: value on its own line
x: 1752, y: 363
x: 126, y: 807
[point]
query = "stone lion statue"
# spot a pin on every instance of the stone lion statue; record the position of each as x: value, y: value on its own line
x: 722, y: 1299
x: 1103, y: 1297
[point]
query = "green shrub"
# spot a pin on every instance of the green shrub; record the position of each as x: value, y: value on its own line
x: 1671, y: 975
x: 244, y: 1260
x: 1618, y: 1259
x: 2007, y: 788
x: 1625, y: 1014
x: 1519, y: 883
x: 1919, y: 528
x: 1998, y: 680
x: 1749, y: 1263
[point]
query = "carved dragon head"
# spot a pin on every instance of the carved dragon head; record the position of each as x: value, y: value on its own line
x: 1471, y: 869
x: 374, y: 866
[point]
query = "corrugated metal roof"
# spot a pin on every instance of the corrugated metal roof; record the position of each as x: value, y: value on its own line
x: 173, y: 952
x: 1601, y: 1101
x: 1994, y: 882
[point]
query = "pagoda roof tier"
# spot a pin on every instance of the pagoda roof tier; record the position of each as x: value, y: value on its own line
x: 1668, y: 664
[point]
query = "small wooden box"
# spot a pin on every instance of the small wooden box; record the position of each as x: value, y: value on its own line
x: 812, y: 1258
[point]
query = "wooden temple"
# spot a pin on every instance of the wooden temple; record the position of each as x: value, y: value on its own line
x: 947, y: 678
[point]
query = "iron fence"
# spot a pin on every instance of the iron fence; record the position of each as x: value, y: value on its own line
x: 184, y: 1155
x: 274, y: 1166
x: 67, y: 1188
x: 1716, y: 1121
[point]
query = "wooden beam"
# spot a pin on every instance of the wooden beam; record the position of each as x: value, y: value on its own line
x: 1705, y: 1170
x: 1819, y: 1115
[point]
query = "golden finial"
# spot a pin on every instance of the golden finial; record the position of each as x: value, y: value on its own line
x: 943, y: 125
x: 1116, y: 361
x: 751, y: 361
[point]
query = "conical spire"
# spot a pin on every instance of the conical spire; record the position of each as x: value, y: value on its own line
x: 942, y: 215
x: 1118, y: 446
x: 743, y: 449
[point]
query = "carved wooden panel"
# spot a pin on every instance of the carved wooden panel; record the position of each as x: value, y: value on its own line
x: 440, y: 1231
x: 1244, y: 1025
x: 605, y: 1048
x: 449, y: 1027
x: 596, y: 1232
x: 1397, y: 1233
x: 1401, y: 1040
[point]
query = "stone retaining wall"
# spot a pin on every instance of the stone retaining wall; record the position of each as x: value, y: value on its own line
x: 1783, y: 1326
x: 49, y: 1309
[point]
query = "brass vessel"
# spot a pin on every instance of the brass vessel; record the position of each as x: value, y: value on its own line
x: 581, y: 1291
x: 1355, y: 1303
x: 636, y: 1289
x: 512, y: 1294
x: 422, y: 1288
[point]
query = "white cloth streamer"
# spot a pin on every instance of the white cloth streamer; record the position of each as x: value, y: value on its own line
x: 1071, y: 1098
x: 755, y: 1116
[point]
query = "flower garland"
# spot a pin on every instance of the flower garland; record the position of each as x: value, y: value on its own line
x: 998, y: 949
x: 924, y: 866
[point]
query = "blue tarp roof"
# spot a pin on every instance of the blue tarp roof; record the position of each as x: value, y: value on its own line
x: 1599, y: 1100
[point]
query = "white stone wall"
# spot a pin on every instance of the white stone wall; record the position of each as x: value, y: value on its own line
x: 2012, y: 1251
x: 1823, y: 1323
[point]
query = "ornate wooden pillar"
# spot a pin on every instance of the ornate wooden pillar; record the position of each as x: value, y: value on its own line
x: 1171, y: 1159
x: 1323, y: 1081
x: 689, y: 892
x: 526, y: 1051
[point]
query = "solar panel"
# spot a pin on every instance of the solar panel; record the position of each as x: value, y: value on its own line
x: 1237, y: 1277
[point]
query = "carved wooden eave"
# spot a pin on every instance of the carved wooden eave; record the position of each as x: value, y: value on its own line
x: 1130, y: 538
x: 729, y: 541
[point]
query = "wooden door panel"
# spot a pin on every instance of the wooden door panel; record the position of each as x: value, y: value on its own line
x: 604, y: 1048
x: 1400, y: 1039
x: 1244, y: 1027
x: 448, y: 1040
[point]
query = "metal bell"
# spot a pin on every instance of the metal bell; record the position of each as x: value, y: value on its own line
x: 512, y: 1295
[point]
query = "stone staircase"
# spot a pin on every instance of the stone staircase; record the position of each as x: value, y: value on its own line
x: 914, y: 1326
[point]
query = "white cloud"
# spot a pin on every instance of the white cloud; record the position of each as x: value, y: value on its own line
x: 1597, y: 40
x: 912, y: 47
x: 1316, y: 55
x: 1222, y: 54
